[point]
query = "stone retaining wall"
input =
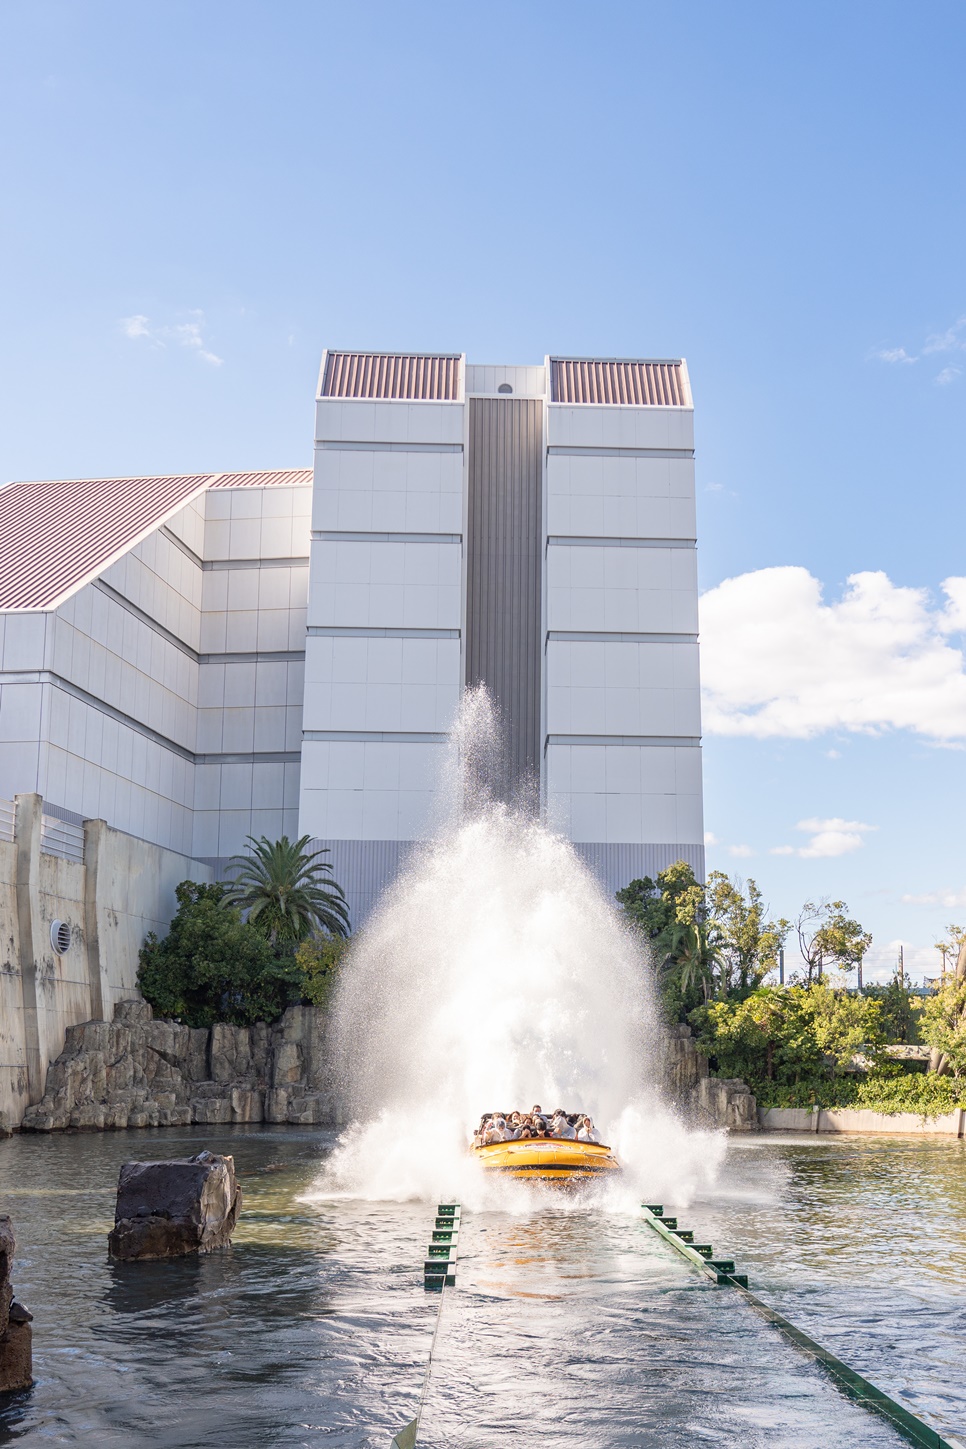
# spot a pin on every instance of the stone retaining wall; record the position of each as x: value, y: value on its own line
x: 140, y: 1072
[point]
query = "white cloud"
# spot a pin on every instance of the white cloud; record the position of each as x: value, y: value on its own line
x: 778, y: 661
x: 136, y: 326
x: 182, y: 334
x: 741, y: 851
x: 828, y: 838
x: 833, y: 754
x: 710, y: 838
x: 950, y: 899
x: 893, y: 354
x: 952, y: 340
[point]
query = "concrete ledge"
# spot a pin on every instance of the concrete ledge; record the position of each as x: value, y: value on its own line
x: 847, y: 1119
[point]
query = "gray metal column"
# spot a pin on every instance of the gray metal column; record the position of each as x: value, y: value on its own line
x: 503, y: 573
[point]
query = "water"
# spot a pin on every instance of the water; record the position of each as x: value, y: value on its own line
x: 569, y: 1327
x: 495, y: 974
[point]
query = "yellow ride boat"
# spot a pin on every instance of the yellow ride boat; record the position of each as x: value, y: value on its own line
x: 549, y: 1159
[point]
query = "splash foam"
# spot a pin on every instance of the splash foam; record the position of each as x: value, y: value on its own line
x: 494, y: 975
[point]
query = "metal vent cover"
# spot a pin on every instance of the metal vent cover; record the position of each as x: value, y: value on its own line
x: 60, y: 937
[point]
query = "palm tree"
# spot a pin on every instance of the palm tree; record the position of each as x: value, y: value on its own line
x: 283, y: 888
x: 695, y: 952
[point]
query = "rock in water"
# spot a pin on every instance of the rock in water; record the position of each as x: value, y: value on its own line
x: 15, y: 1334
x: 168, y: 1209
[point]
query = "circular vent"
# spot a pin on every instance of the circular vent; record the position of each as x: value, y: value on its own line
x: 60, y: 936
x: 504, y: 387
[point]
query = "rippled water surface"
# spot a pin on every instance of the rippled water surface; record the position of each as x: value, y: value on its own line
x: 568, y: 1327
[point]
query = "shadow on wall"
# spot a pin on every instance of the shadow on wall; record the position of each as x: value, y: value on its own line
x: 75, y: 906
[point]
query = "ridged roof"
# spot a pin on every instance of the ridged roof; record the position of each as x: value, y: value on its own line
x: 392, y: 376
x: 54, y: 536
x: 281, y: 478
x: 619, y: 380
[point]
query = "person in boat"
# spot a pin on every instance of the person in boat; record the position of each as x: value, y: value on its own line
x: 562, y: 1127
x: 586, y: 1132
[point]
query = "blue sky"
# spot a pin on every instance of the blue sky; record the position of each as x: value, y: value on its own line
x: 774, y: 191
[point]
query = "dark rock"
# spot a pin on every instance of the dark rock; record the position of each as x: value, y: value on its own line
x: 168, y: 1209
x: 15, y: 1331
x: 138, y: 1071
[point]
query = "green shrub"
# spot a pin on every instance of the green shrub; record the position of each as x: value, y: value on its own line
x: 880, y: 1091
x: 318, y: 960
x: 212, y: 966
x: 787, y: 1036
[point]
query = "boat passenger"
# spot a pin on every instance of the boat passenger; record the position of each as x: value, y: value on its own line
x: 587, y: 1132
x: 562, y: 1128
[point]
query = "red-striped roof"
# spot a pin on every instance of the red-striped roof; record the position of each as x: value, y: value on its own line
x: 619, y: 380
x: 393, y: 376
x: 281, y: 478
x: 54, y: 536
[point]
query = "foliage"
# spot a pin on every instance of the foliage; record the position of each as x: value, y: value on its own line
x: 827, y: 934
x: 900, y: 1011
x: 749, y: 944
x: 881, y: 1091
x: 284, y: 890
x: 943, y: 1025
x: 787, y: 1034
x: 213, y: 966
x: 319, y: 959
x: 707, y: 941
x: 953, y: 949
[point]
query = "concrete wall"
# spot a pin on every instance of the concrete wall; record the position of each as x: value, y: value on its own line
x: 121, y: 889
x: 803, y: 1119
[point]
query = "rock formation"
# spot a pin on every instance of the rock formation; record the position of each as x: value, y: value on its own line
x: 139, y: 1072
x: 717, y: 1101
x: 15, y: 1332
x: 168, y: 1209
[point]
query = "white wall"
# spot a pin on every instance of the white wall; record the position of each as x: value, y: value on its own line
x: 383, y: 664
x: 616, y: 707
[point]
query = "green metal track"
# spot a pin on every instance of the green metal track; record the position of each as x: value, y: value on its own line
x: 851, y: 1384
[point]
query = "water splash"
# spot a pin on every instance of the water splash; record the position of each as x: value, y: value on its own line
x: 496, y: 974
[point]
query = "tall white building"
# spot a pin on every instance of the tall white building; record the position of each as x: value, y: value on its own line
x: 530, y: 527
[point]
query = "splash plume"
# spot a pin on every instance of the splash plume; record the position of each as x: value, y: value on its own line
x: 494, y: 974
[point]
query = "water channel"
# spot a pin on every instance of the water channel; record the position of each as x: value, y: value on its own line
x: 569, y: 1326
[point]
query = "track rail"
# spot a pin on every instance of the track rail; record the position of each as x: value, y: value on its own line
x: 852, y: 1384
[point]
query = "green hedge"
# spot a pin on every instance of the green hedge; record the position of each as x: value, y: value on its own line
x: 922, y: 1093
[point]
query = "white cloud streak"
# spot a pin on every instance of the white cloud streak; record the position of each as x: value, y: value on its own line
x: 778, y: 661
x: 179, y: 334
x: 952, y: 340
x: 829, y: 838
x: 892, y: 354
x: 949, y: 898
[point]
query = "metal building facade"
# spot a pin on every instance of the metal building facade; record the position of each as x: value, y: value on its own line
x: 530, y: 527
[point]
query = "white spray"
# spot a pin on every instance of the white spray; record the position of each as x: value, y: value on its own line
x: 495, y: 974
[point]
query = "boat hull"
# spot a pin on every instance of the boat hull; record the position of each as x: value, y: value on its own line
x: 543, y: 1159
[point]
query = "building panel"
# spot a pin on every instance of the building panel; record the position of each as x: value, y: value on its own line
x: 503, y: 568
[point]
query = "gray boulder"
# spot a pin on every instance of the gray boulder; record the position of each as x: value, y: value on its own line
x: 16, y: 1370
x: 169, y: 1209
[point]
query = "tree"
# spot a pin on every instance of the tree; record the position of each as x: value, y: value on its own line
x: 749, y: 944
x: 213, y: 966
x: 825, y: 932
x: 284, y: 890
x: 708, y: 940
x: 943, y: 1027
x: 670, y: 913
x: 319, y: 959
x: 952, y: 949
x: 787, y: 1035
